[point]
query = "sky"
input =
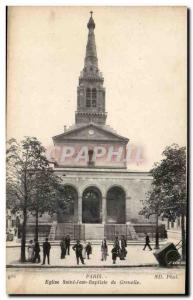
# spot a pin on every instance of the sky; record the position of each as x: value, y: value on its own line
x: 141, y: 53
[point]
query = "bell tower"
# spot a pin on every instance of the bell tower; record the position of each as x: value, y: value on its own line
x: 90, y: 92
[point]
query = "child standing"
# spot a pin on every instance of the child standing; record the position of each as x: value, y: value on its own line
x: 88, y: 249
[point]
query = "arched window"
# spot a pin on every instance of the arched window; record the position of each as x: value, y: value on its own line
x: 88, y: 97
x: 94, y: 97
x: 67, y: 205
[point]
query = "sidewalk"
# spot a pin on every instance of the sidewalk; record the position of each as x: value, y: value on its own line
x: 135, y: 257
x: 16, y: 243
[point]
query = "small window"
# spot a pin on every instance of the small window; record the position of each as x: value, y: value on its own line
x: 88, y: 97
x: 93, y: 103
x: 87, y: 103
x: 94, y: 97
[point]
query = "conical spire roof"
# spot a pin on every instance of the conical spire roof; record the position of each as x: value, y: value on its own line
x: 90, y: 92
x: 91, y: 23
x: 91, y: 53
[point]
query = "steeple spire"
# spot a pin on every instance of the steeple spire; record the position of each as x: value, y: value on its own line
x: 90, y: 92
x: 91, y: 23
x: 91, y: 54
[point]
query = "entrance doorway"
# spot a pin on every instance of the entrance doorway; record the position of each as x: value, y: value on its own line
x: 116, y: 205
x: 92, y: 205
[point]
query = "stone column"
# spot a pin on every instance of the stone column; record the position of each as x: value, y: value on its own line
x: 104, y: 210
x: 79, y: 210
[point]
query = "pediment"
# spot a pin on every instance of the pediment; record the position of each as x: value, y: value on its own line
x: 90, y: 132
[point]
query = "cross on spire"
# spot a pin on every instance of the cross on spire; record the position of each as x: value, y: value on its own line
x: 91, y: 23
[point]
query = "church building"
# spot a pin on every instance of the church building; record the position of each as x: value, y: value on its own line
x: 92, y: 161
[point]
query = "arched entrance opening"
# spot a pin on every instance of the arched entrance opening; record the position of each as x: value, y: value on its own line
x: 92, y: 205
x: 67, y: 211
x: 116, y: 205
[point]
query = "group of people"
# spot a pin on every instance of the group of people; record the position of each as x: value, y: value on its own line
x: 119, y: 249
x: 65, y: 246
x: 34, y: 251
x: 82, y: 251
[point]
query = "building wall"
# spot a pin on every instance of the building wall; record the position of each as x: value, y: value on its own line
x: 75, y: 154
x: 135, y: 185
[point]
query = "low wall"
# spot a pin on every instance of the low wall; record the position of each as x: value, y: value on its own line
x: 142, y: 229
x: 76, y: 231
x: 43, y: 230
x: 97, y: 231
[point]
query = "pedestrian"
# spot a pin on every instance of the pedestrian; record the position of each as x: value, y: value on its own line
x: 88, y: 249
x: 104, y: 249
x: 117, y: 245
x: 30, y: 251
x: 84, y: 250
x: 123, y: 251
x: 147, y: 242
x: 36, y: 251
x: 63, y: 248
x: 116, y: 242
x: 115, y: 253
x: 46, y: 251
x: 67, y: 241
x: 78, y: 250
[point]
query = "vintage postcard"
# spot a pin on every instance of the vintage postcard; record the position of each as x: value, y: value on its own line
x: 96, y: 150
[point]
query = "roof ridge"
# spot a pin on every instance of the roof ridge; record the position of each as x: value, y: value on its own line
x: 100, y: 127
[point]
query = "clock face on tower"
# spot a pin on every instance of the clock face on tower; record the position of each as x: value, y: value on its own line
x: 91, y: 132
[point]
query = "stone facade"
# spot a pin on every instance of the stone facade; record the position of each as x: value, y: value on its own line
x: 134, y: 184
x: 104, y: 192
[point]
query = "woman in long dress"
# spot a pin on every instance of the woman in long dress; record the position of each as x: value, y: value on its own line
x: 104, y: 250
x: 30, y: 251
x: 63, y: 248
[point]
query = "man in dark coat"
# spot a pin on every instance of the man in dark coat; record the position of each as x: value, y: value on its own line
x: 46, y: 251
x: 67, y: 242
x: 147, y: 242
x: 36, y: 251
x: 165, y: 234
x: 78, y: 249
x: 115, y: 253
x: 116, y: 243
x: 123, y: 251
